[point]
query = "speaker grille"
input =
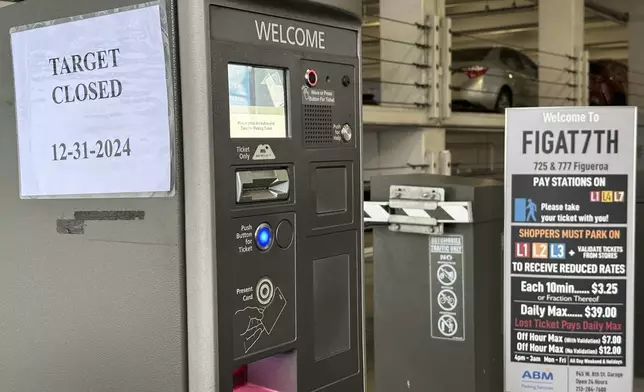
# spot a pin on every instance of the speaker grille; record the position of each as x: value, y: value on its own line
x: 318, y: 125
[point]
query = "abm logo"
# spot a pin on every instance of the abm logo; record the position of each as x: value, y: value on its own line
x: 536, y: 375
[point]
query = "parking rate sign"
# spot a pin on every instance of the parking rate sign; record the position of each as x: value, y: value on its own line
x: 569, y: 249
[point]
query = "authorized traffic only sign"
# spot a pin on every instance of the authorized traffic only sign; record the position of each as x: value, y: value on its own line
x: 569, y: 249
x: 447, y: 283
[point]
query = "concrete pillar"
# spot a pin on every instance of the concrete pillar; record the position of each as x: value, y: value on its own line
x: 561, y: 34
x: 412, y: 150
x: 397, y: 46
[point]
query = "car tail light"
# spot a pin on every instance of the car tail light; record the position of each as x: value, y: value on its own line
x: 474, y: 72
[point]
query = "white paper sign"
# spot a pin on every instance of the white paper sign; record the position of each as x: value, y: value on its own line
x: 92, y: 106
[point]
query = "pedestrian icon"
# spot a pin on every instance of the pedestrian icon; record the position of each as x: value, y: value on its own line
x: 447, y: 300
x: 447, y: 325
x: 525, y: 210
x: 446, y: 275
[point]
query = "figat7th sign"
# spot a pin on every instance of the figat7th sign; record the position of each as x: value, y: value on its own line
x: 569, y: 249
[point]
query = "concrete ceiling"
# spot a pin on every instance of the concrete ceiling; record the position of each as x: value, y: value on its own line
x: 515, y: 23
x: 617, y: 5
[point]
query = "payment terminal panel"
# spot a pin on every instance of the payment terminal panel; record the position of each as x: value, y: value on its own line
x: 244, y: 273
x: 286, y: 136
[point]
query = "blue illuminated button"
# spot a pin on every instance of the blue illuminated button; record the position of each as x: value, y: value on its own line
x: 263, y: 236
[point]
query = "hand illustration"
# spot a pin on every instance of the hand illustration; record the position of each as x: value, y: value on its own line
x: 248, y: 323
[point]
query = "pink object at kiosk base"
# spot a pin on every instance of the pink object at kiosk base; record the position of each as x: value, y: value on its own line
x: 253, y: 388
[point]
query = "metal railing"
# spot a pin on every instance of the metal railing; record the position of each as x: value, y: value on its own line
x: 409, y: 64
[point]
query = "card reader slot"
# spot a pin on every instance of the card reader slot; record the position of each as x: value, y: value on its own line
x: 262, y: 185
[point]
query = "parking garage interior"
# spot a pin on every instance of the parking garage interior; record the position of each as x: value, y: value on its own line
x: 438, y: 75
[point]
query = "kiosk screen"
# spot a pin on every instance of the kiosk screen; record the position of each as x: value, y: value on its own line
x: 257, y: 97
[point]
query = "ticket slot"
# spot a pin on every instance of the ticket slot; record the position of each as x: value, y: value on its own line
x: 255, y: 186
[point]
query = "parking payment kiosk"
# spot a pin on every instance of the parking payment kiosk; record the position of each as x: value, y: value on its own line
x: 283, y: 88
x: 184, y: 181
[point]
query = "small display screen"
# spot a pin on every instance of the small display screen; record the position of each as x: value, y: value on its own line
x: 257, y: 97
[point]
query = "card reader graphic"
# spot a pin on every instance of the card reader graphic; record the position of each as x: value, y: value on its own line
x: 273, y: 311
x: 251, y: 323
x: 262, y: 185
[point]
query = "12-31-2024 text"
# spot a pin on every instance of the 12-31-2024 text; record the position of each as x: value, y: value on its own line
x: 100, y: 149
